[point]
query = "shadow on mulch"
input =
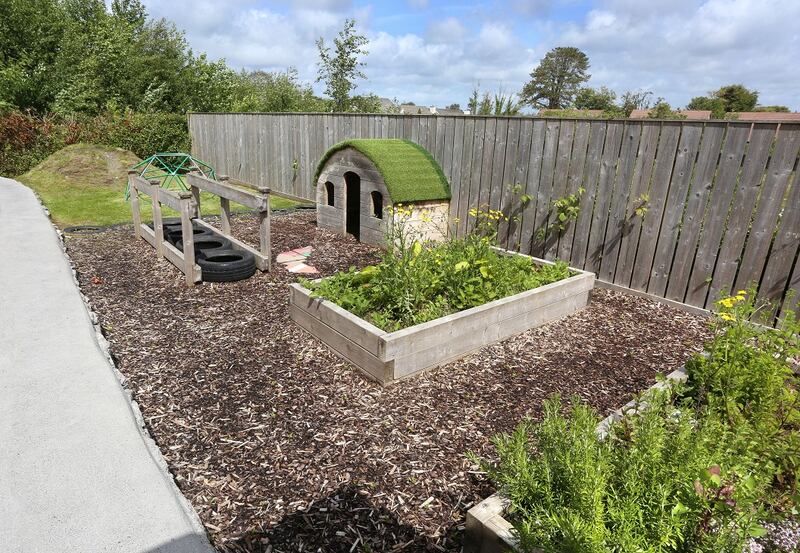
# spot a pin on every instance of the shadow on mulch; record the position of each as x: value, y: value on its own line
x: 341, y: 522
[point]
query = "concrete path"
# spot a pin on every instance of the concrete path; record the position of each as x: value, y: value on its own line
x: 77, y: 473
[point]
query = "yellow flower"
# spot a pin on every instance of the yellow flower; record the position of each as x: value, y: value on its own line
x: 727, y: 317
x: 741, y: 293
x: 726, y: 302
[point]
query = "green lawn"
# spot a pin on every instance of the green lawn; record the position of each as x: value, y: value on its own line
x: 84, y: 184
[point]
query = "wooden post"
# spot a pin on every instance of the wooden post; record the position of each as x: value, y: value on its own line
x: 225, y: 209
x: 196, y: 198
x: 187, y: 210
x: 134, y: 197
x: 158, y: 224
x: 264, y: 229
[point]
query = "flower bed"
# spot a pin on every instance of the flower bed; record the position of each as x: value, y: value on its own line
x: 710, y: 465
x: 428, y: 303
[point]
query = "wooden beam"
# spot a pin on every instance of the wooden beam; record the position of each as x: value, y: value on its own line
x: 264, y: 221
x: 186, y: 211
x: 244, y: 197
x: 135, y: 208
x: 158, y: 224
x: 171, y: 253
x: 225, y: 214
x: 196, y: 199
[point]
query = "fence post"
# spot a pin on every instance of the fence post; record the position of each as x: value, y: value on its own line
x: 264, y: 221
x: 134, y: 197
x: 158, y: 224
x: 187, y: 210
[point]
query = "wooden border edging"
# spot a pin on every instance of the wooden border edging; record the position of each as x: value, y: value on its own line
x: 487, y: 531
x: 388, y: 357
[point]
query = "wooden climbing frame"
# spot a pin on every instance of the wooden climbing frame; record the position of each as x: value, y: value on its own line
x: 187, y: 204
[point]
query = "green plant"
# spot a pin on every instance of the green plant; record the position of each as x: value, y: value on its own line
x: 417, y: 282
x: 692, y: 467
x: 566, y: 210
x: 641, y: 205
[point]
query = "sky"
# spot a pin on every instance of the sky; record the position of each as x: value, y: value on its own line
x: 436, y: 52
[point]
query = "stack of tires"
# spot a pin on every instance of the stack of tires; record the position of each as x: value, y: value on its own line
x: 214, y: 253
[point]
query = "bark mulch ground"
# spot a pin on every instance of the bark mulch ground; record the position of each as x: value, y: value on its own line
x: 282, y: 446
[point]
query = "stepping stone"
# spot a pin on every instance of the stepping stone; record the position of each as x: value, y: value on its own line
x: 300, y: 267
x: 289, y: 257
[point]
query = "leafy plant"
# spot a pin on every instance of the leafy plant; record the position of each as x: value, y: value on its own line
x: 566, y: 210
x: 417, y: 281
x: 693, y: 467
x: 642, y: 205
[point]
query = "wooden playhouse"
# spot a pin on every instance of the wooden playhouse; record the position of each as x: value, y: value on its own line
x: 357, y: 180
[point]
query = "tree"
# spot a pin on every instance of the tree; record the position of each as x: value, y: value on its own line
x: 735, y: 97
x: 454, y: 106
x: 705, y: 103
x: 773, y: 109
x: 340, y: 68
x: 595, y: 98
x: 662, y: 110
x: 729, y: 98
x: 634, y: 99
x: 555, y: 81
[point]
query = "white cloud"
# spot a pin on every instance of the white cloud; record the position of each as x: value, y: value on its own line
x: 676, y: 48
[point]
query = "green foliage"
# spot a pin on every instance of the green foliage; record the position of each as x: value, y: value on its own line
x: 662, y: 110
x: 772, y: 109
x: 340, y: 68
x: 631, y: 100
x: 727, y: 99
x: 27, y: 138
x: 693, y: 468
x: 641, y: 205
x: 595, y: 98
x: 556, y: 80
x: 499, y: 103
x: 566, y: 210
x: 417, y: 282
x: 705, y: 103
x: 274, y: 92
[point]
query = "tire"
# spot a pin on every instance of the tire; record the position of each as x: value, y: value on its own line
x: 176, y: 235
x: 227, y: 265
x: 206, y: 244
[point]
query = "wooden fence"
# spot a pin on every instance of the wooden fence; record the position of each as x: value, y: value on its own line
x: 683, y: 210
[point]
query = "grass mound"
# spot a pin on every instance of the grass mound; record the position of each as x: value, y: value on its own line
x: 84, y: 184
x: 409, y: 171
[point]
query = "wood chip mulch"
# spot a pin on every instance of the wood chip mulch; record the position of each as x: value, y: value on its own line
x: 281, y: 446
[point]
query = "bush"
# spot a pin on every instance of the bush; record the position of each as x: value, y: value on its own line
x: 417, y: 282
x: 697, y: 469
x: 28, y: 138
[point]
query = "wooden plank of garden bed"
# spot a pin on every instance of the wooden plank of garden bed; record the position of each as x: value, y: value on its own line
x: 651, y: 226
x: 755, y: 162
x: 616, y: 213
x: 640, y: 186
x: 597, y: 137
x: 673, y: 211
x: 779, y: 172
x: 714, y: 225
x: 347, y: 349
x: 700, y: 188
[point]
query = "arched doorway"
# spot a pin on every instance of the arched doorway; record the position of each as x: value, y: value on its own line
x: 352, y: 184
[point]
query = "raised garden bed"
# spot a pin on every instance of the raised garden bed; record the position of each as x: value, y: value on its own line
x: 391, y: 356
